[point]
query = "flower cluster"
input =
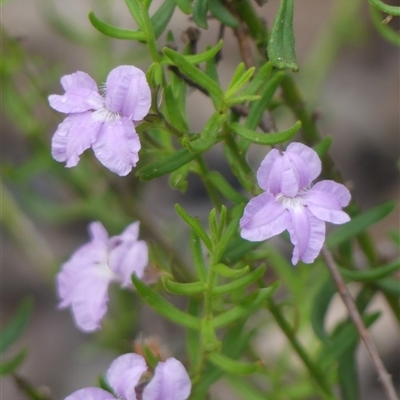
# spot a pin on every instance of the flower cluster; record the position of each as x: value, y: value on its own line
x: 289, y: 202
x: 82, y: 283
x: 170, y: 381
x: 103, y: 123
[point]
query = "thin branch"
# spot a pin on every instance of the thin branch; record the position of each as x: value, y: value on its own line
x: 383, y: 376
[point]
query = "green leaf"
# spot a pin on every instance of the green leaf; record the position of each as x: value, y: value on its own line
x: 14, y: 329
x: 209, y: 135
x: 220, y: 12
x: 246, y: 308
x: 228, y: 272
x: 191, y: 288
x: 193, y: 336
x: 232, y: 366
x: 209, y: 337
x: 389, y: 286
x: 166, y: 165
x: 240, y: 78
x: 258, y: 108
x: 259, y: 79
x: 195, y: 225
x: 194, y: 73
x: 281, y: 44
x: 241, y: 99
x: 371, y: 274
x: 320, y: 307
x: 200, y: 57
x: 162, y: 17
x: 359, y: 224
x: 384, y: 29
x: 347, y: 373
x: 391, y: 10
x: 200, y: 9
x: 178, y: 178
x: 240, y: 282
x: 113, y: 31
x: 237, y: 249
x: 136, y: 11
x: 266, y: 138
x: 174, y: 112
x: 221, y: 184
x: 197, y: 254
x: 185, y: 6
x: 163, y: 307
x: 10, y: 366
x: 323, y: 146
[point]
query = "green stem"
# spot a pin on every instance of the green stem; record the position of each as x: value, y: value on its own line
x: 312, y: 368
x: 151, y: 39
x: 210, y: 189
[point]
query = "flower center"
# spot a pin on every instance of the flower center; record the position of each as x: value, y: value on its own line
x: 104, y: 115
x: 290, y: 202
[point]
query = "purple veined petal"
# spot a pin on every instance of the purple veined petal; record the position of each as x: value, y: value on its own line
x: 90, y: 393
x: 170, y: 382
x: 307, y: 234
x: 73, y: 136
x: 264, y: 172
x: 326, y: 199
x: 311, y: 168
x: 128, y: 258
x: 124, y: 374
x: 263, y: 218
x: 81, y: 94
x: 128, y: 93
x: 90, y: 298
x: 87, y: 256
x: 117, y: 146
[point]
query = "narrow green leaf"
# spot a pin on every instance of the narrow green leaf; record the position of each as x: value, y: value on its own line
x: 166, y: 165
x: 185, y: 6
x: 197, y: 254
x: 391, y: 10
x: 389, y: 286
x: 347, y: 373
x: 174, y: 112
x: 241, y: 99
x: 195, y: 225
x: 266, y: 138
x: 193, y: 335
x: 258, y: 108
x: 10, y: 366
x: 163, y: 307
x: 191, y: 288
x: 200, y: 57
x: 240, y: 70
x: 14, y: 329
x: 233, y: 366
x: 259, y: 79
x: 227, y: 272
x: 209, y: 337
x: 239, y: 81
x: 178, y: 178
x: 194, y: 73
x: 221, y: 184
x: 200, y: 8
x: 359, y: 224
x: 371, y: 274
x: 209, y: 135
x: 240, y: 282
x: 281, y: 44
x: 320, y: 307
x: 237, y: 249
x: 385, y: 30
x: 113, y: 31
x: 162, y: 17
x: 323, y: 146
x: 220, y: 12
x: 136, y: 11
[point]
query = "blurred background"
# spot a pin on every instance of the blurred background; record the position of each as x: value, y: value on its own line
x: 348, y: 73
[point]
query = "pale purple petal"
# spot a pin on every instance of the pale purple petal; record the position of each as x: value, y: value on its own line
x: 86, y: 256
x: 83, y: 281
x: 117, y: 146
x: 81, y: 94
x: 124, y: 374
x: 326, y: 199
x: 73, y: 136
x: 128, y: 255
x: 90, y: 297
x: 307, y: 234
x: 309, y: 157
x: 170, y: 382
x: 128, y: 93
x: 263, y: 218
x: 90, y: 393
x: 264, y: 172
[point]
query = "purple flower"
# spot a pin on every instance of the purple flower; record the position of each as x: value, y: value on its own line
x: 289, y: 202
x: 103, y: 123
x: 82, y: 283
x: 170, y: 381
